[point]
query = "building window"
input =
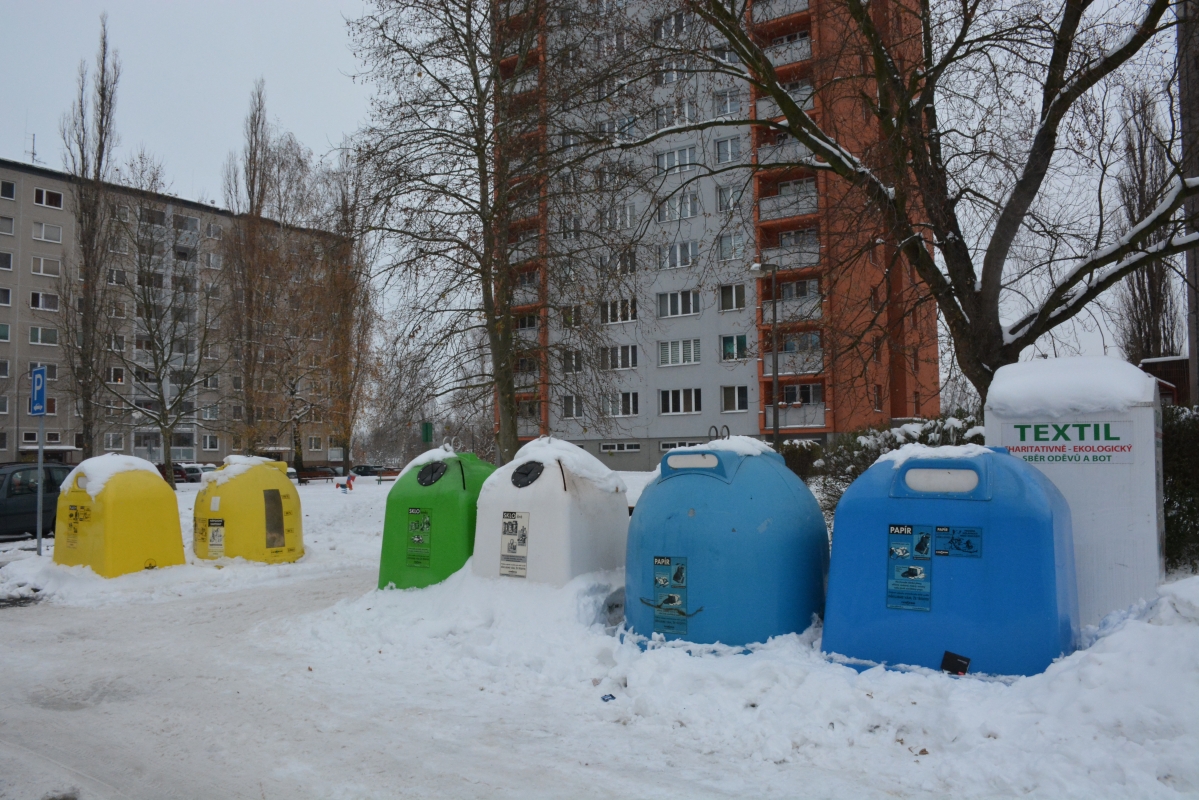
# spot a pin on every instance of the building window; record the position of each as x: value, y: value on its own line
x: 624, y: 263
x: 572, y: 408
x: 678, y: 254
x: 44, y: 336
x: 114, y: 441
x: 732, y: 298
x: 670, y: 71
x: 7, y: 226
x: 734, y: 348
x: 664, y: 446
x: 47, y: 233
x: 4, y: 368
x: 47, y: 198
x: 3, y: 331
x: 117, y: 277
x: 728, y: 197
x: 618, y: 357
x: 678, y: 160
x: 3, y: 440
x: 43, y: 301
x: 805, y: 393
x: 680, y: 351
x: 4, y: 404
x: 526, y: 322
x: 116, y: 343
x: 8, y: 190
x: 6, y: 261
x: 620, y: 447
x: 684, y: 112
x: 572, y: 361
x: 28, y: 437
x: 731, y: 246
x: 114, y: 375
x: 53, y: 437
x: 878, y: 397
x: 672, y: 26
x: 682, y: 206
x: 623, y: 215
x: 5, y: 297
x: 210, y: 412
x: 572, y: 316
x: 728, y: 150
x: 678, y: 304
x: 211, y: 441
x: 51, y: 369
x: 680, y: 401
x: 186, y: 224
x: 315, y: 443
x: 620, y: 404
x: 727, y: 103
x: 734, y: 398
x: 212, y: 382
x: 50, y: 267
x: 616, y: 311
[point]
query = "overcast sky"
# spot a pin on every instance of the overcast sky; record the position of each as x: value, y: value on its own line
x: 188, y: 69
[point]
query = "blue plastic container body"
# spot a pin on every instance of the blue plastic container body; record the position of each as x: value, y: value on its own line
x: 725, y: 548
x: 986, y: 573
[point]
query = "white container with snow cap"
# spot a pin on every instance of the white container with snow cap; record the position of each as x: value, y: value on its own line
x: 1092, y: 425
x: 554, y: 512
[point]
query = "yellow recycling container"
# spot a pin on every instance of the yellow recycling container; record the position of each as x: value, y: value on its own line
x: 117, y: 515
x: 249, y: 508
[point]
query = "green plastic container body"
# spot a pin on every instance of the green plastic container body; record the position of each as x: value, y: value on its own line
x: 429, y: 531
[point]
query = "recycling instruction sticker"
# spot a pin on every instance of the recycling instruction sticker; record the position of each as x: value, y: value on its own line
x: 959, y: 542
x: 514, y: 544
x: 670, y: 595
x: 420, y: 538
x: 909, y: 567
x: 216, y: 538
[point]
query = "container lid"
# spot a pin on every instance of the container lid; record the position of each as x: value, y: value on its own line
x: 1056, y: 387
x: 431, y: 473
x: 525, y: 474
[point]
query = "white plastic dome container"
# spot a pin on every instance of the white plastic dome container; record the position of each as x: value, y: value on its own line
x: 554, y: 512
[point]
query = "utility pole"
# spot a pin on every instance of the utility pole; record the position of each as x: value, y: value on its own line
x: 774, y: 347
x: 1188, y: 100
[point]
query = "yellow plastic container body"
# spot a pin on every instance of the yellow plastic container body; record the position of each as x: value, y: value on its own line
x: 255, y: 515
x: 131, y: 525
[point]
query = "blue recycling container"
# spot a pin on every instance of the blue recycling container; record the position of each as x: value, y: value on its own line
x: 725, y: 547
x: 959, y: 563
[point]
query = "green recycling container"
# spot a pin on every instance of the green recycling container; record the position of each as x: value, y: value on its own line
x: 429, y: 527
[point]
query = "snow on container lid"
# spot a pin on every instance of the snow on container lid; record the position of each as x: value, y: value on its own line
x: 97, y: 471
x: 1056, y: 387
x: 546, y: 450
x: 237, y: 465
x: 428, y: 457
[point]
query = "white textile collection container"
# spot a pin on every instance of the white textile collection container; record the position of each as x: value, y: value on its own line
x: 1092, y: 425
x: 553, y: 513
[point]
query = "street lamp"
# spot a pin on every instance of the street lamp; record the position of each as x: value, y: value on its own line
x: 774, y: 343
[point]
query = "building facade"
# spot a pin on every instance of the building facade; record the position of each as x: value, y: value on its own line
x: 738, y: 230
x: 165, y: 286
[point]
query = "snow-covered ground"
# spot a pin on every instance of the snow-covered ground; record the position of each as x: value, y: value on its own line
x: 303, y: 681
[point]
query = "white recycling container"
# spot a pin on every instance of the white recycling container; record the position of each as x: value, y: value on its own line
x: 554, y: 512
x: 1092, y: 425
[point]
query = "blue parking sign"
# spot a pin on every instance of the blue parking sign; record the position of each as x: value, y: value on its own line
x: 37, y: 397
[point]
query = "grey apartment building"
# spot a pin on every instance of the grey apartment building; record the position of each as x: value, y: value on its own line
x: 690, y: 354
x: 37, y: 254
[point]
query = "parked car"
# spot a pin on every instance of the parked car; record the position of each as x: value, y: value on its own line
x: 208, y: 467
x: 194, y: 472
x: 291, y: 474
x: 18, y: 499
x: 316, y: 474
x: 180, y: 474
x: 365, y: 470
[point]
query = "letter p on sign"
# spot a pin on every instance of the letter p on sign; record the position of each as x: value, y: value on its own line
x: 37, y: 396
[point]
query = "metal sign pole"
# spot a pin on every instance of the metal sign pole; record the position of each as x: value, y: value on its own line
x: 37, y: 407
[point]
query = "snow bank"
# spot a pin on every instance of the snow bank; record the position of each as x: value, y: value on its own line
x: 427, y: 457
x: 741, y: 445
x: 574, y: 458
x: 234, y: 466
x: 916, y: 450
x: 97, y: 471
x: 1118, y: 720
x: 1057, y: 387
x: 635, y: 482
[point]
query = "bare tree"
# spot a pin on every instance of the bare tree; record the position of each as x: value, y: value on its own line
x: 990, y: 174
x: 161, y: 319
x: 89, y: 138
x: 1148, y: 318
x: 486, y: 155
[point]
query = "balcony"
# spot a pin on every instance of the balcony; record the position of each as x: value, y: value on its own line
x: 794, y: 362
x: 528, y: 427
x: 529, y: 294
x: 789, y: 152
x: 789, y: 205
x: 792, y: 257
x: 525, y: 82
x: 524, y: 250
x: 781, y: 55
x: 768, y: 109
x: 777, y: 9
x: 797, y: 309
x: 514, y: 8
x: 809, y: 415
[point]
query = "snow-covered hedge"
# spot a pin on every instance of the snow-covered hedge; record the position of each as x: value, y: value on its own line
x: 1180, y: 470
